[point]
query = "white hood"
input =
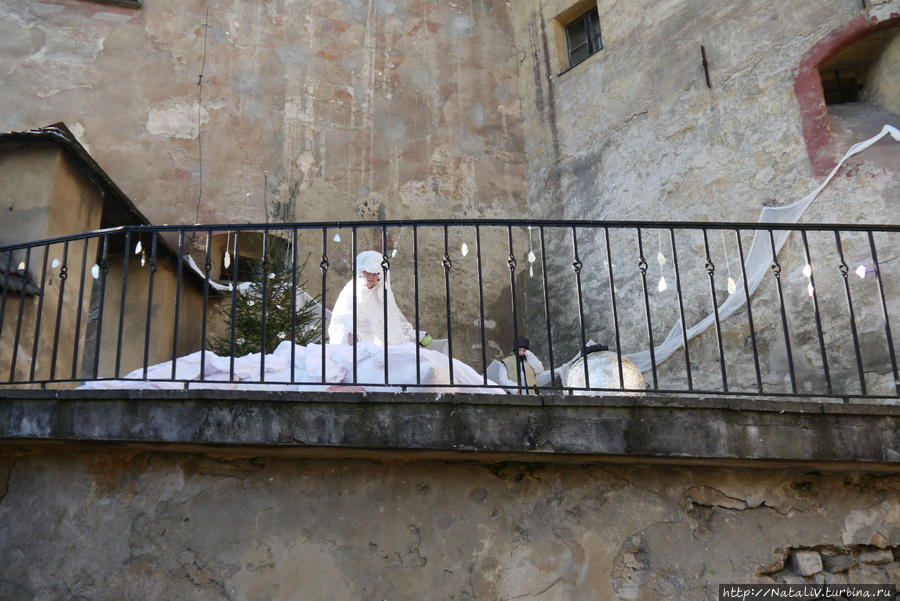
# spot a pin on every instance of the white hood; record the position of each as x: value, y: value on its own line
x: 370, y: 304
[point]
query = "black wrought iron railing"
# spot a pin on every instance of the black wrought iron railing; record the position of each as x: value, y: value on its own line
x: 766, y: 309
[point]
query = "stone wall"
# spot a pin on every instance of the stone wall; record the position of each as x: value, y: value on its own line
x: 308, y: 111
x: 113, y: 524
x: 633, y: 132
x: 330, y: 110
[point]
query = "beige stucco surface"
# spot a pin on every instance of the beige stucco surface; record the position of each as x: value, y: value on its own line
x: 330, y: 110
x: 883, y: 84
x: 116, y: 525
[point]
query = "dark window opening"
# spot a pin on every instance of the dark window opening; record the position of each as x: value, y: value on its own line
x: 583, y: 36
x: 845, y: 75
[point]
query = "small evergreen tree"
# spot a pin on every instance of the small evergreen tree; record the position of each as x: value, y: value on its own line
x: 275, y: 284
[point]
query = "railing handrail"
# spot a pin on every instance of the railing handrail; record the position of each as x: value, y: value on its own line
x: 612, y: 224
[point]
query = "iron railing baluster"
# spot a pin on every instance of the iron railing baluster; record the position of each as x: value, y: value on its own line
x: 178, y: 275
x: 354, y: 275
x: 37, y: 317
x: 577, y: 266
x: 547, y: 315
x: 481, y: 305
x: 845, y: 270
x: 323, y: 267
x: 122, y: 298
x: 63, y: 276
x: 263, y: 346
x: 612, y: 296
x: 207, y: 267
x: 887, y: 321
x: 151, y: 267
x: 80, y: 308
x: 711, y: 272
x: 104, y: 269
x: 293, y: 301
x: 642, y: 266
x: 234, y: 293
x: 776, y: 271
x: 416, y: 293
x: 447, y: 265
x: 385, y: 266
x: 815, y: 299
x: 684, y: 338
x: 511, y: 263
x: 753, y: 344
x: 26, y: 277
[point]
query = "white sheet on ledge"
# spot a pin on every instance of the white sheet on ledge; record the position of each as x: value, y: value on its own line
x: 757, y: 260
x: 434, y: 369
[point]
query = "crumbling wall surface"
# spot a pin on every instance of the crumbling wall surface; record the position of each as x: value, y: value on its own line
x: 634, y: 129
x: 330, y: 110
x: 117, y: 525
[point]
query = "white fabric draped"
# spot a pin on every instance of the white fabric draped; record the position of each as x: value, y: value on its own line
x: 434, y: 369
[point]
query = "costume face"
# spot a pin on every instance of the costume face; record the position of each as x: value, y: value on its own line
x: 371, y: 278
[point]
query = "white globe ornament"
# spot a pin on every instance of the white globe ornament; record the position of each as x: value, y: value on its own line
x: 603, y: 369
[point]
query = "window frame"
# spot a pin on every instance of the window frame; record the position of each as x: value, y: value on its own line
x: 592, y: 34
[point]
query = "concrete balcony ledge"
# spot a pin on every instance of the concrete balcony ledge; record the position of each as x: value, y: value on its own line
x: 644, y: 428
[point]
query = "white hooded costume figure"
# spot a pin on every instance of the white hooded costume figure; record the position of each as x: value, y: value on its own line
x: 370, y: 304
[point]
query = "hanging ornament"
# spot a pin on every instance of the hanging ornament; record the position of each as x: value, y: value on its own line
x: 143, y: 258
x: 55, y: 263
x: 22, y: 266
x: 809, y: 289
x: 226, y: 260
x: 531, y: 257
x: 861, y: 271
x: 730, y: 282
x: 660, y: 258
x: 137, y: 248
x: 531, y: 271
x: 95, y: 271
x: 337, y: 238
x: 807, y: 270
x: 662, y: 284
x: 464, y: 249
x: 393, y: 253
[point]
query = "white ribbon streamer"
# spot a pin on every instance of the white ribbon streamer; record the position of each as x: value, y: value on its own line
x: 757, y: 260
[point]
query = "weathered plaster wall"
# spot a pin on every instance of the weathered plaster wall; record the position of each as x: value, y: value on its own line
x: 883, y: 84
x: 634, y: 129
x: 331, y: 110
x: 328, y: 110
x: 634, y: 132
x: 27, y: 178
x: 107, y: 524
